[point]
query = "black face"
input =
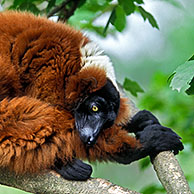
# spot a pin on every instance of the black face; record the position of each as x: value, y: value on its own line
x: 97, y: 112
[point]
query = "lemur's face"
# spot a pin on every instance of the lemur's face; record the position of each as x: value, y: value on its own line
x: 96, y: 113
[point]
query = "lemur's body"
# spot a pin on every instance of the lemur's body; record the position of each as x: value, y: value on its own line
x: 60, y: 103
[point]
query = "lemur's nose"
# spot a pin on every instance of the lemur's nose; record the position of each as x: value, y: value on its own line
x: 91, y: 141
x: 88, y: 137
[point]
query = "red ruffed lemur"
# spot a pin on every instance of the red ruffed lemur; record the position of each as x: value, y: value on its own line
x: 60, y: 103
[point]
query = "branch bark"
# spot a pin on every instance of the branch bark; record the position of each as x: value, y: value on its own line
x: 65, y: 12
x: 170, y: 173
x: 50, y: 183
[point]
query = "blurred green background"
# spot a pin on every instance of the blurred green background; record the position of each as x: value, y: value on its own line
x: 148, y: 56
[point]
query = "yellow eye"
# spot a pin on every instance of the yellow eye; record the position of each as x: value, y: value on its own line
x: 94, y: 108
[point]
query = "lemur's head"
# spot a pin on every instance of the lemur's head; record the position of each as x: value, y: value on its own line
x: 97, y: 112
x: 92, y: 94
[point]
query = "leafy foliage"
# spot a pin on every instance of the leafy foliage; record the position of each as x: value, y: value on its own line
x: 85, y: 13
x: 192, y: 58
x: 176, y: 111
x: 120, y: 19
x: 127, y: 6
x: 25, y: 5
x: 182, y: 79
x: 132, y: 87
x: 190, y: 90
x: 152, y: 189
x: 148, y: 16
x: 144, y: 163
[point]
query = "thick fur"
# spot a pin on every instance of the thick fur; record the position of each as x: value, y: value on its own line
x: 40, y: 84
x: 42, y: 81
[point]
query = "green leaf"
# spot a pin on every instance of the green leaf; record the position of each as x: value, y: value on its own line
x: 183, y: 77
x: 152, y: 189
x: 147, y: 15
x: 139, y: 1
x: 81, y: 3
x: 192, y: 58
x: 50, y: 5
x: 110, y: 20
x: 2, y: 2
x: 29, y: 7
x: 120, y: 19
x: 26, y: 5
x: 112, y: 16
x: 96, y: 5
x: 81, y: 17
x: 132, y: 87
x: 58, y: 2
x: 17, y: 3
x: 127, y: 5
x: 190, y: 91
x: 144, y: 163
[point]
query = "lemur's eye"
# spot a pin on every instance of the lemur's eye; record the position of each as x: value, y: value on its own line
x: 94, y: 108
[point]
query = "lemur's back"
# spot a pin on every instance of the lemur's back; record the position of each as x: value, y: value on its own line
x: 33, y: 47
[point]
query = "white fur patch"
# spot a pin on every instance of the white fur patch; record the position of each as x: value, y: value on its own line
x: 92, y: 55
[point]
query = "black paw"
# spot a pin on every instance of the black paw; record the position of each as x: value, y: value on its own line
x: 156, y: 138
x: 77, y: 170
x: 140, y: 120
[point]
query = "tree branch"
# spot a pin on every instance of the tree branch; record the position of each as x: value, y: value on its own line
x: 170, y: 173
x: 50, y: 182
x: 64, y: 12
x: 58, y: 8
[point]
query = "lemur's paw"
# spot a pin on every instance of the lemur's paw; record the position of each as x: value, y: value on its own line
x: 77, y: 170
x: 156, y: 138
x: 142, y: 119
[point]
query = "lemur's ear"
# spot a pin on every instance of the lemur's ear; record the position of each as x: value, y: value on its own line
x: 87, y: 81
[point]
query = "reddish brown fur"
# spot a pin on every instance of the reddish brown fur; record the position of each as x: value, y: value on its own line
x: 78, y: 86
x: 41, y: 80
